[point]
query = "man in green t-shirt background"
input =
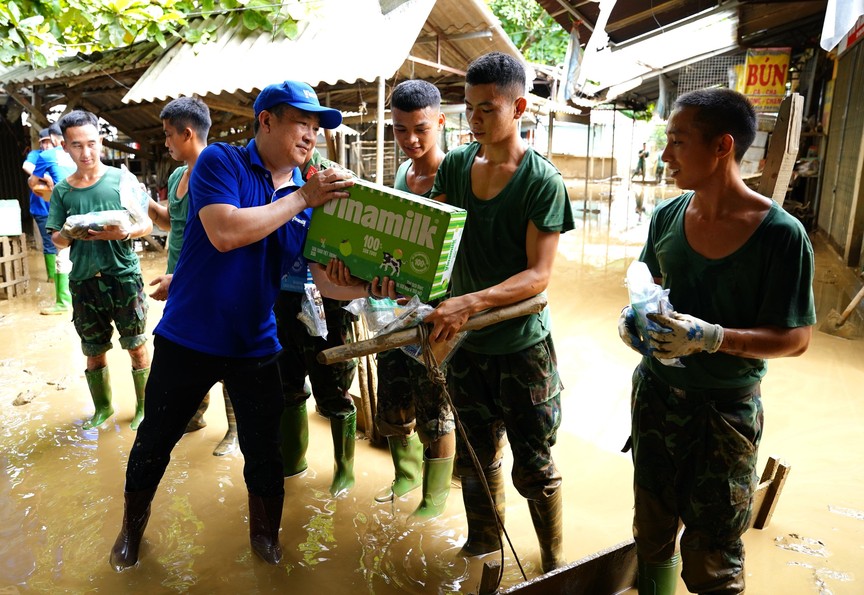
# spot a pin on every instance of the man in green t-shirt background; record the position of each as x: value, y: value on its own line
x: 105, y: 281
x: 186, y: 124
x: 412, y: 412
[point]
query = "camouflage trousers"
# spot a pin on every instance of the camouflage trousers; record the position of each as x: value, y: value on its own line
x: 408, y: 399
x: 517, y: 395
x: 694, y: 457
x: 330, y: 384
x: 99, y: 301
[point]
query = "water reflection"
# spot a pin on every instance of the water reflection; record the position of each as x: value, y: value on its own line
x: 61, y: 486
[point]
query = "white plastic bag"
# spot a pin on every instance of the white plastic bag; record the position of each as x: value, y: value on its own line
x: 133, y: 197
x: 76, y: 227
x: 312, y: 311
x: 646, y: 297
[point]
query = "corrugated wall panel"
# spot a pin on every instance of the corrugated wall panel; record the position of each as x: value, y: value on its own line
x: 843, y: 154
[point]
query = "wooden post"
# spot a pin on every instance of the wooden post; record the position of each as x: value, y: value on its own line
x: 490, y: 578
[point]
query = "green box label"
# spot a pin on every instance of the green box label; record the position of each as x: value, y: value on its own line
x: 379, y: 231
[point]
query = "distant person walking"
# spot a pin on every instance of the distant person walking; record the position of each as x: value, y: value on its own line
x: 641, y: 158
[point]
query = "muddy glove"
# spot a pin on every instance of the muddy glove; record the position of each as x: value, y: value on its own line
x: 682, y: 334
x: 629, y: 332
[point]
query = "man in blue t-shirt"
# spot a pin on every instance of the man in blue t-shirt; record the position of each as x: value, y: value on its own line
x: 39, y: 205
x: 53, y: 165
x: 219, y: 322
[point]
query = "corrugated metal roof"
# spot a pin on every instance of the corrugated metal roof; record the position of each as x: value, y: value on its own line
x: 351, y: 40
x: 139, y: 55
x: 622, y: 68
x: 427, y: 39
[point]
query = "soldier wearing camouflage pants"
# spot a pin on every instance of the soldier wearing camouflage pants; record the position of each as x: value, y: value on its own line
x: 504, y: 379
x: 329, y: 385
x: 735, y: 258
x: 105, y: 281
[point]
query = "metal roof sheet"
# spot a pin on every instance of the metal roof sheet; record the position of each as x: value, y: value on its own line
x: 352, y: 40
x: 80, y: 66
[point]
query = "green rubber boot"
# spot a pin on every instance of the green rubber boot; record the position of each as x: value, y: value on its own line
x: 51, y: 266
x: 547, y: 519
x: 436, y: 487
x: 294, y: 431
x: 659, y: 579
x: 343, y: 431
x: 229, y: 441
x: 99, y: 383
x: 139, y: 379
x: 63, y: 299
x: 407, y: 454
x: 484, y: 534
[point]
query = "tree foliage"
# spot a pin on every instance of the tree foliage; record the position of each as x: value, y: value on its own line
x: 40, y: 31
x: 532, y: 30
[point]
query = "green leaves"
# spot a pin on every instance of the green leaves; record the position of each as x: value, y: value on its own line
x: 532, y: 30
x: 42, y: 31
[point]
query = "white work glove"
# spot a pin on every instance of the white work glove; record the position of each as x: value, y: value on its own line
x: 629, y: 332
x: 682, y: 334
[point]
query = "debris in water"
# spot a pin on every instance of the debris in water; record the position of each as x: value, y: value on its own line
x: 850, y: 512
x: 803, y: 545
x: 23, y: 398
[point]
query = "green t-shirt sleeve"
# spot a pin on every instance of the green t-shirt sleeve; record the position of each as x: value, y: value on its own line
x: 552, y: 210
x: 56, y: 209
x: 788, y: 300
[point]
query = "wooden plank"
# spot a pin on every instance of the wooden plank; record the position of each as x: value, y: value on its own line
x: 782, y: 150
x: 613, y: 570
x: 606, y: 572
x: 763, y: 515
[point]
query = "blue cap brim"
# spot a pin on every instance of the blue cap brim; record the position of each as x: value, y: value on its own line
x: 328, y: 117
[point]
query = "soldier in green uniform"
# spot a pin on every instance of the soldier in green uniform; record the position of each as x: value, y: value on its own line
x: 504, y: 378
x: 739, y: 270
x: 412, y: 412
x: 105, y: 281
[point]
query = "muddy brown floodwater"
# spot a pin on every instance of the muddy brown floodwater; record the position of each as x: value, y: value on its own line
x: 61, y: 487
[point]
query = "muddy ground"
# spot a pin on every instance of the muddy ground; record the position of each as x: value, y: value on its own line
x: 61, y: 487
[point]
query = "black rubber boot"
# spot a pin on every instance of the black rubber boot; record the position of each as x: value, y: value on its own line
x: 136, y: 513
x: 484, y: 534
x: 265, y: 516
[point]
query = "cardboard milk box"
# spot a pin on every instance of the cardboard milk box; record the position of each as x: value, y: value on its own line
x: 379, y: 231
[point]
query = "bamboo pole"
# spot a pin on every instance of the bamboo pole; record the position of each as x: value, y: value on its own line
x: 412, y: 335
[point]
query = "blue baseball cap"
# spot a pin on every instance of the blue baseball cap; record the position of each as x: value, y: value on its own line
x: 300, y: 95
